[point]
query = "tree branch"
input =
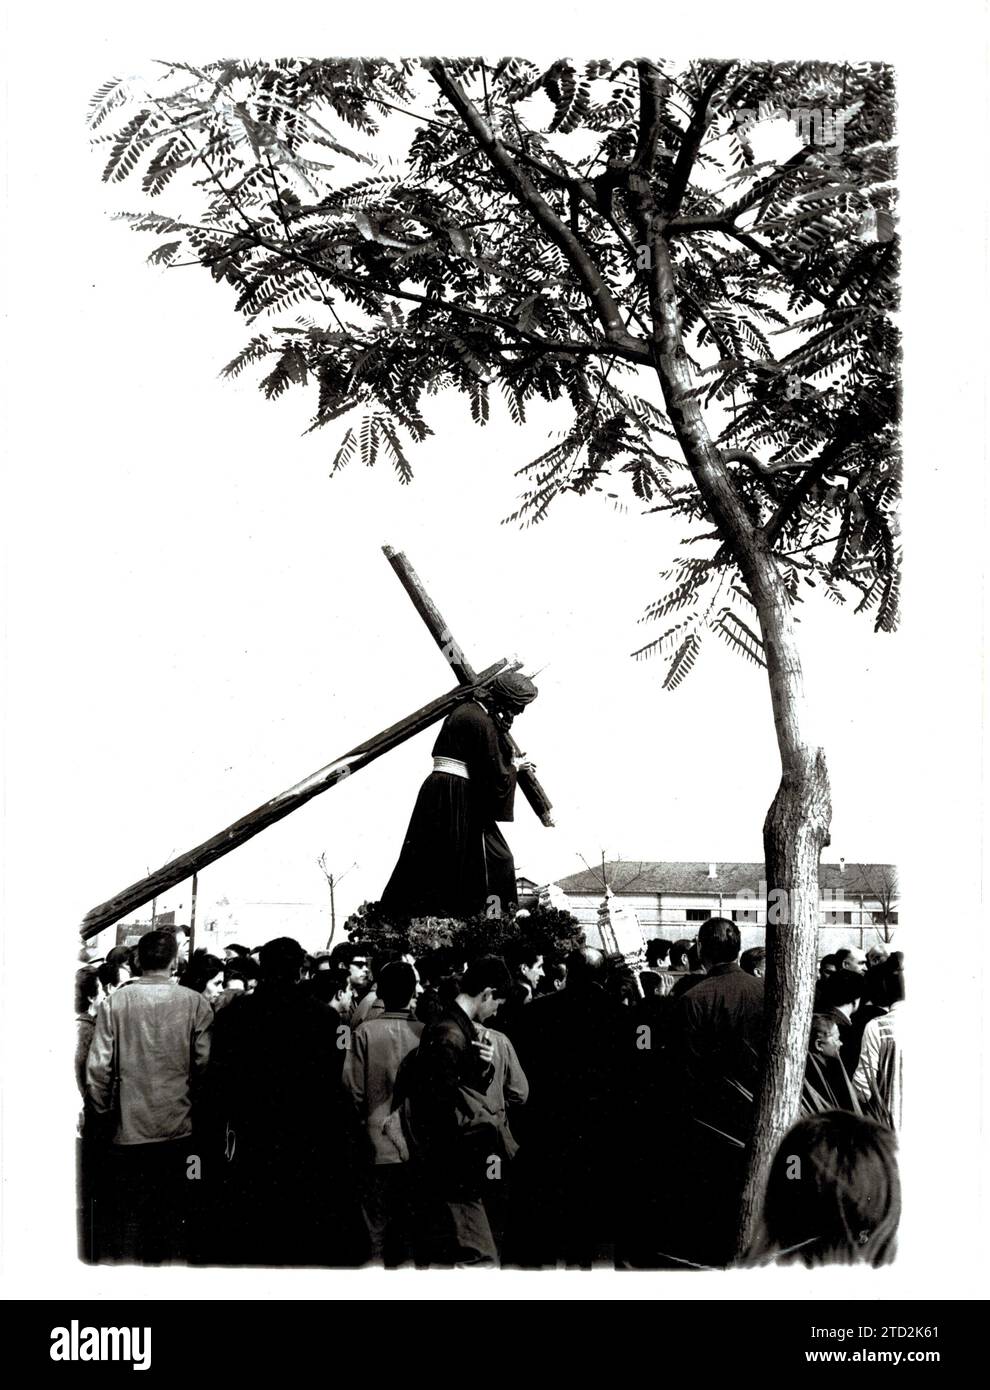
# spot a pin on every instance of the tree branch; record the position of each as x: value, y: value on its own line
x: 802, y: 490
x: 651, y: 94
x: 690, y: 145
x: 606, y: 308
x: 768, y: 257
x: 631, y: 349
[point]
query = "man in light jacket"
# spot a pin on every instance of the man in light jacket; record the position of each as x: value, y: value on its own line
x: 378, y: 1047
x: 151, y: 1044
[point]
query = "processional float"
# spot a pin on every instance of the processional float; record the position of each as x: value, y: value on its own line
x: 469, y: 684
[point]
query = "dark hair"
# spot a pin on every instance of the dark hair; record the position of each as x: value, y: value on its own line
x: 87, y: 987
x: 439, y: 963
x: 202, y: 968
x: 347, y: 950
x: 887, y: 981
x: 555, y: 971
x: 484, y: 973
x: 751, y: 959
x: 236, y: 946
x: 156, y: 950
x: 382, y: 958
x: 585, y: 967
x: 827, y: 960
x: 678, y: 953
x: 844, y: 987
x: 718, y: 940
x: 650, y: 983
x: 281, y: 960
x: 109, y: 973
x: 240, y: 968
x: 834, y: 1193
x: 121, y: 955
x: 520, y: 953
x: 618, y: 980
x: 657, y: 949
x: 325, y: 985
x: 396, y: 984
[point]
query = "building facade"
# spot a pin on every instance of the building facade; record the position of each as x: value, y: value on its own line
x: 671, y: 899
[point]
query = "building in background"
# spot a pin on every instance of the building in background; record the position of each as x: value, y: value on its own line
x: 672, y: 899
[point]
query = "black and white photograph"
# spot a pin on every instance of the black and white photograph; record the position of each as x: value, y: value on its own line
x: 493, y: 657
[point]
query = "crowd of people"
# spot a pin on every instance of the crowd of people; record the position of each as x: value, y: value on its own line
x: 280, y: 1108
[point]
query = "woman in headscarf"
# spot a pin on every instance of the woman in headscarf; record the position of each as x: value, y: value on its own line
x: 454, y: 860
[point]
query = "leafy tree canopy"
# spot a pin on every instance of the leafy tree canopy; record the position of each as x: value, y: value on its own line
x: 500, y: 251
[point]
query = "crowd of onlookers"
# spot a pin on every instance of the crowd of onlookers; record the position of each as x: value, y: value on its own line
x: 275, y: 1107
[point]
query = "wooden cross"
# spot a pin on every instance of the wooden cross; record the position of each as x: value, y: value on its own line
x: 462, y: 668
x: 470, y: 684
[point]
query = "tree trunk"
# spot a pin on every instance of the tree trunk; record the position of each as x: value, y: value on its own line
x: 794, y: 833
x: 797, y: 823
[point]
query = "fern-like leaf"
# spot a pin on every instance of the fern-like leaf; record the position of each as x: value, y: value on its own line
x: 680, y: 667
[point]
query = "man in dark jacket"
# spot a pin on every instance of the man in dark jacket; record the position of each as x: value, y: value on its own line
x: 458, y: 1136
x: 577, y: 1047
x: 278, y: 1103
x: 717, y: 1044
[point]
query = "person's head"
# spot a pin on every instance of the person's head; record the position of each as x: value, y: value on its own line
x: 586, y: 968
x: 379, y: 961
x: 619, y: 981
x: 396, y: 985
x: 649, y: 982
x: 156, y: 952
x: 526, y: 962
x: 182, y: 938
x: 484, y: 985
x: 509, y: 694
x: 334, y: 987
x: 439, y: 964
x: 842, y: 990
x: 241, y: 972
x: 357, y: 958
x: 833, y: 1195
x: 718, y: 942
x: 204, y: 974
x: 122, y: 959
x: 679, y: 953
x: 876, y: 955
x: 113, y: 974
x: 658, y: 953
x: 233, y: 949
x: 851, y: 958
x: 886, y: 981
x: 281, y: 961
x: 827, y: 966
x: 89, y: 990
x: 754, y: 961
x: 556, y: 977
x: 824, y: 1040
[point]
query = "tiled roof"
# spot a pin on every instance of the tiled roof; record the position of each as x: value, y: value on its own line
x: 633, y: 877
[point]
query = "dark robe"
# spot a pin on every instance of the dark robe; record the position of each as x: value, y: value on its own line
x: 279, y: 1113
x: 454, y: 859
